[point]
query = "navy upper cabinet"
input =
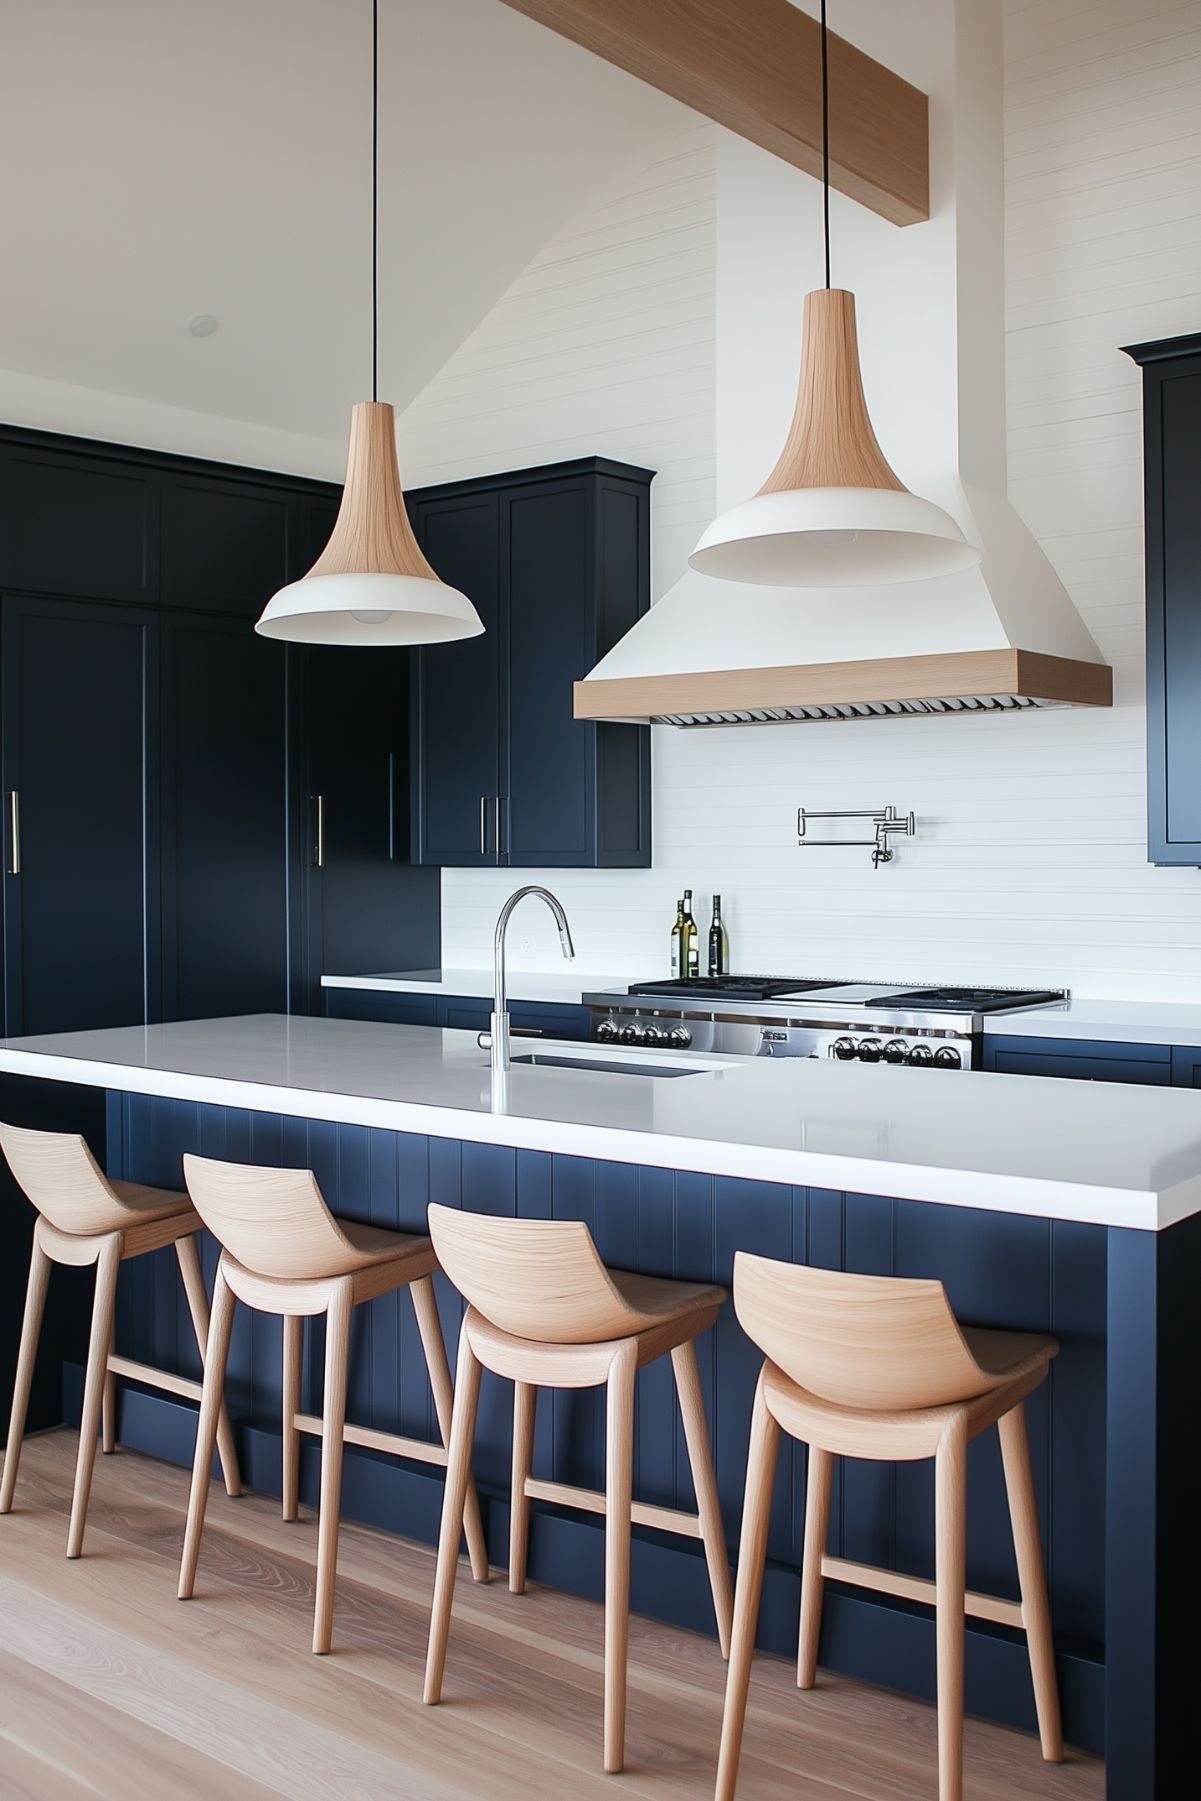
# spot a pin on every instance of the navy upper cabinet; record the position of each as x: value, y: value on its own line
x: 227, y: 546
x: 456, y: 713
x: 557, y: 561
x: 1172, y: 473
x: 77, y: 525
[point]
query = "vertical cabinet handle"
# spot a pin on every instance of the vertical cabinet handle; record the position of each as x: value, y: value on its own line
x: 14, y: 833
x: 483, y: 825
x: 497, y: 839
x: 391, y: 806
x: 319, y: 858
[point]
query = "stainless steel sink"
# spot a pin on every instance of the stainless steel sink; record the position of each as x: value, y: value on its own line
x: 603, y: 1066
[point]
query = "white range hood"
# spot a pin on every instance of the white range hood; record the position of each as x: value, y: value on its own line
x: 1001, y: 636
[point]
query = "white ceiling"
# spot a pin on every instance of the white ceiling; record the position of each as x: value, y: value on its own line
x: 160, y: 158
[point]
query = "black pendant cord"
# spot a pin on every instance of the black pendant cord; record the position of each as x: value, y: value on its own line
x: 375, y: 200
x: 826, y: 138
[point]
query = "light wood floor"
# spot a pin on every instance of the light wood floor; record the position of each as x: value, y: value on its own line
x: 110, y: 1687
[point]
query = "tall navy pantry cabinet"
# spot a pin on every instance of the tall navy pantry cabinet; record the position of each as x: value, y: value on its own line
x: 160, y: 762
x: 557, y: 562
x: 1172, y: 475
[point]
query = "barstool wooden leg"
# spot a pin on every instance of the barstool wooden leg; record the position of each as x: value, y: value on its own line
x: 100, y: 1343
x: 31, y: 1326
x: 458, y: 1476
x: 525, y: 1404
x: 293, y: 1369
x: 215, y: 1355
x: 333, y: 1420
x: 619, y: 1494
x: 108, y: 1415
x: 819, y: 1487
x: 704, y: 1483
x: 752, y: 1552
x: 425, y: 1306
x: 188, y: 1258
x: 1036, y: 1612
x: 950, y: 1523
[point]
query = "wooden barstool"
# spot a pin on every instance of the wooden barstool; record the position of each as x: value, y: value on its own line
x: 546, y: 1313
x: 283, y: 1252
x: 878, y: 1367
x: 84, y: 1218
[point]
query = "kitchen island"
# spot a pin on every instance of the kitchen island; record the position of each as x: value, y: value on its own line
x: 1073, y: 1208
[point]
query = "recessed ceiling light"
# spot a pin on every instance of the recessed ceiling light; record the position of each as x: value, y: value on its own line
x: 202, y: 325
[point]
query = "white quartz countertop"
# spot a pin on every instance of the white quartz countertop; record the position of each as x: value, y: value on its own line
x: 1119, y: 1022
x: 564, y: 986
x: 1090, y: 1151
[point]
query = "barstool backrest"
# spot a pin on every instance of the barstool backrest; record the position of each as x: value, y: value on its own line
x: 536, y: 1278
x: 876, y: 1342
x: 272, y: 1221
x: 59, y: 1174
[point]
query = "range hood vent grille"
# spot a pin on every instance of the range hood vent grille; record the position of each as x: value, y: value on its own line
x: 875, y: 709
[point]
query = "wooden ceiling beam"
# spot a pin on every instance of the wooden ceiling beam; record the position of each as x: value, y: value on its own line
x: 754, y: 66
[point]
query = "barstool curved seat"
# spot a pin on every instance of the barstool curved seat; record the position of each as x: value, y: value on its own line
x: 285, y: 1253
x: 544, y: 1311
x: 83, y: 1218
x: 878, y: 1367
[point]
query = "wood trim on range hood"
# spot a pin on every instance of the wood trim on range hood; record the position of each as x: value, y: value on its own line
x: 956, y: 681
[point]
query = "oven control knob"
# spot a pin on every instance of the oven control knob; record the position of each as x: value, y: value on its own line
x: 895, y: 1050
x: 947, y: 1057
x: 652, y: 1035
x: 633, y: 1035
x: 844, y: 1049
x: 922, y: 1055
x: 679, y: 1038
x: 606, y: 1032
x: 869, y: 1050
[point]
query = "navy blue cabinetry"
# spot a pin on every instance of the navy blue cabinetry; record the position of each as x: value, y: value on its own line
x: 1172, y: 474
x: 1186, y: 1066
x: 557, y: 563
x: 1082, y: 1059
x: 80, y: 839
x: 76, y: 523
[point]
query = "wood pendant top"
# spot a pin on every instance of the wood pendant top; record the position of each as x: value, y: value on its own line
x: 830, y: 443
x: 372, y: 534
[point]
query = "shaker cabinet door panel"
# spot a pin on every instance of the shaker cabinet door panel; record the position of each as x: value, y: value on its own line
x: 225, y: 821
x: 79, y: 691
x: 456, y: 744
x: 548, y: 817
x: 227, y: 546
x: 77, y: 525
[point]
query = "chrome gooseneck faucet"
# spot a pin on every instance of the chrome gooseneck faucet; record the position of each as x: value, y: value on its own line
x: 500, y: 1005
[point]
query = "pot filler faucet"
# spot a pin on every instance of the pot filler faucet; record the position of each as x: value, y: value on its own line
x: 499, y: 1036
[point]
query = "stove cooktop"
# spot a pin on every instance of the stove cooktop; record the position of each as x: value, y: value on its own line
x: 862, y: 994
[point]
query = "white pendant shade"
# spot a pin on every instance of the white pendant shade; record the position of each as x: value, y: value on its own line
x: 832, y: 513
x: 371, y: 585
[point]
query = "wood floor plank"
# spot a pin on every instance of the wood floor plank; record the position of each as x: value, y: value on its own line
x: 522, y: 1721
x: 55, y: 1740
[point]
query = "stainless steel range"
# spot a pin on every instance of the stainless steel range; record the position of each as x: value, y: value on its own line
x: 853, y: 1022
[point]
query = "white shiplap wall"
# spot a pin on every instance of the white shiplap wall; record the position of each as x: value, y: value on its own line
x: 1031, y: 865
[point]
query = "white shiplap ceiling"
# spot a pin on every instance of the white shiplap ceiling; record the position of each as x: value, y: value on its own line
x: 160, y: 158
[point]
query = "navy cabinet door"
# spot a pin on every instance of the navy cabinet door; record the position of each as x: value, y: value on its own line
x: 225, y: 819
x: 80, y: 909
x: 1186, y: 1066
x: 1082, y: 1059
x: 456, y: 692
x: 368, y: 909
x: 548, y: 757
x: 374, y: 1003
x: 77, y: 525
x: 227, y: 545
x: 1172, y: 474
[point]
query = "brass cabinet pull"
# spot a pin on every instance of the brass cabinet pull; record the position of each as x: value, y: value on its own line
x: 320, y: 859
x: 14, y: 832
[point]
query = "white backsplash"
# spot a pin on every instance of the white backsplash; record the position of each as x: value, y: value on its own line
x: 1029, y: 865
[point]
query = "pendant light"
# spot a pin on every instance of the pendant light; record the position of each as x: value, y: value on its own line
x: 371, y: 585
x: 832, y: 513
